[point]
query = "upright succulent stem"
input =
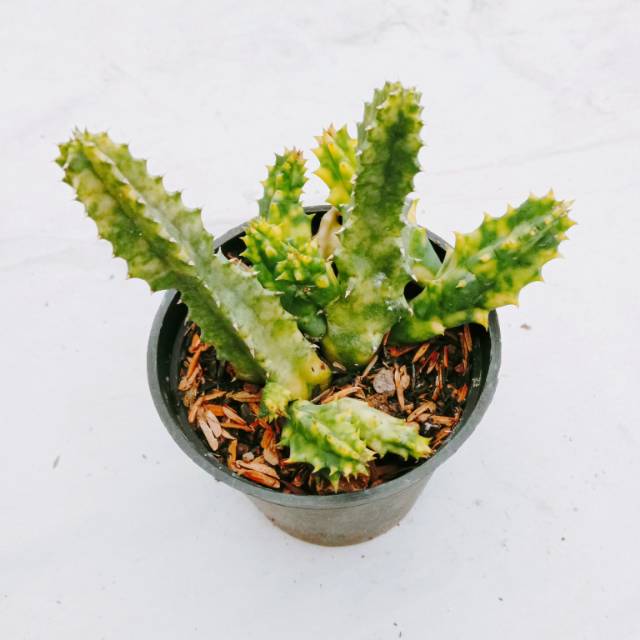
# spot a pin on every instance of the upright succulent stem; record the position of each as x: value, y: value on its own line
x: 338, y: 166
x: 372, y: 264
x: 165, y: 244
x: 280, y: 247
x: 336, y: 152
x: 280, y: 203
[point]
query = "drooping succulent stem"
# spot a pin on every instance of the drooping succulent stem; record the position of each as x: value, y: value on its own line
x: 342, y: 436
x: 165, y: 244
x: 487, y: 268
x: 372, y: 263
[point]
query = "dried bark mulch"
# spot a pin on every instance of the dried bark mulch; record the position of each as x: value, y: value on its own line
x: 426, y: 384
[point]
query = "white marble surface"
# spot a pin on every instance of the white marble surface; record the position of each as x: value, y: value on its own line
x: 107, y: 530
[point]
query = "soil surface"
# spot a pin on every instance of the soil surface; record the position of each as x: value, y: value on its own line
x: 425, y: 384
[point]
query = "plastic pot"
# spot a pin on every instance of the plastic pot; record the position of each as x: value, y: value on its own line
x: 328, y: 520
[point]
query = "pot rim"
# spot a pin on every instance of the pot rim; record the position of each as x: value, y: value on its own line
x: 341, y: 500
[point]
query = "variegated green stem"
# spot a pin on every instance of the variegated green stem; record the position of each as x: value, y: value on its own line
x: 274, y: 401
x: 383, y: 433
x: 329, y: 443
x: 423, y: 259
x: 280, y: 203
x: 336, y: 152
x: 342, y: 436
x: 338, y: 165
x: 487, y: 268
x: 372, y: 264
x: 301, y: 274
x: 165, y: 244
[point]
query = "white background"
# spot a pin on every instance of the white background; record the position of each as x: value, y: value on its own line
x: 108, y: 531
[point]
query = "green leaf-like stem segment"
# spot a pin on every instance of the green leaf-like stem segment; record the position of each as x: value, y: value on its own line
x: 336, y: 152
x: 338, y: 166
x: 280, y: 203
x: 487, y: 268
x: 165, y: 244
x: 305, y: 279
x: 280, y: 247
x: 423, y: 258
x: 373, y: 267
x: 343, y: 436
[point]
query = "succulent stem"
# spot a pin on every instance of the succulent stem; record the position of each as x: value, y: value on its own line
x: 165, y: 244
x: 343, y: 436
x: 373, y: 266
x: 487, y: 268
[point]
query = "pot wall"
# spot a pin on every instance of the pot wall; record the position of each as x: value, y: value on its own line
x: 344, y: 525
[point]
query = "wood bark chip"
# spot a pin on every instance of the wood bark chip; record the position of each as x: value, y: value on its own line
x: 447, y: 421
x: 232, y: 415
x: 244, y: 396
x: 440, y: 437
x: 193, y: 410
x: 343, y: 393
x: 268, y: 444
x: 428, y: 406
x: 467, y: 338
x: 322, y: 395
x: 396, y: 352
x: 216, y: 409
x: 232, y: 452
x: 369, y: 366
x: 207, y: 431
x: 460, y: 394
x: 194, y: 362
x: 401, y: 381
x: 227, y: 424
x: 432, y: 361
x: 258, y: 466
x: 214, y: 395
x: 260, y: 478
x: 422, y: 351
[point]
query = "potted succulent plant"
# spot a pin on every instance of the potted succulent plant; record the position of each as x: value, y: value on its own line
x: 323, y: 360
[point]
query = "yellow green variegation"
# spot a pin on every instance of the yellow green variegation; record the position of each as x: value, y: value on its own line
x: 423, y: 260
x: 165, y: 244
x: 280, y: 247
x: 341, y: 437
x: 280, y: 203
x: 300, y: 273
x: 373, y: 267
x: 338, y: 165
x: 336, y: 152
x: 487, y: 268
